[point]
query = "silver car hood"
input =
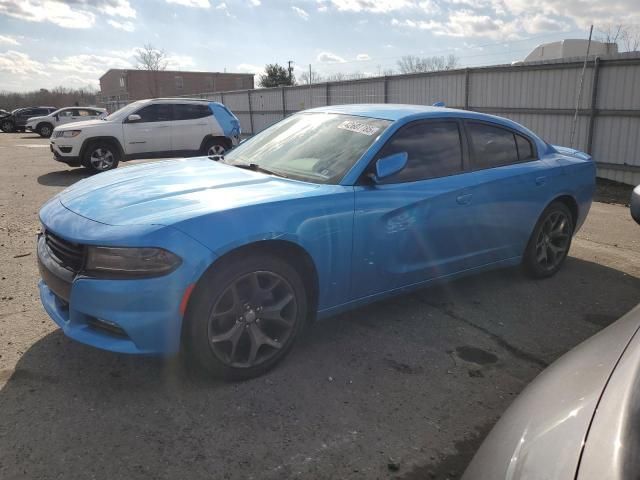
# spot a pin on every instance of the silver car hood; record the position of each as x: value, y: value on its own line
x: 541, y: 435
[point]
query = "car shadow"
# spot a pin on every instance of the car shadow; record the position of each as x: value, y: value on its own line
x: 380, y: 381
x: 63, y: 178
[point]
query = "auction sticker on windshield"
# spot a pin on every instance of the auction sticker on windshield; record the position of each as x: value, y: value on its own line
x: 358, y: 127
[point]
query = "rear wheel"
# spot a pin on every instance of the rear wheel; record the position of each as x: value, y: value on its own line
x: 100, y: 157
x: 244, y: 316
x: 214, y: 147
x: 7, y: 126
x: 550, y: 241
x: 45, y: 130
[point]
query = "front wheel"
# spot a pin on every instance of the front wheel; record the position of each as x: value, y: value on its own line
x: 550, y: 241
x: 100, y: 157
x: 244, y: 316
x: 7, y: 126
x: 45, y: 130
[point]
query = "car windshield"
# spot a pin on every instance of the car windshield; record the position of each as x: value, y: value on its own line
x: 124, y: 111
x: 313, y: 147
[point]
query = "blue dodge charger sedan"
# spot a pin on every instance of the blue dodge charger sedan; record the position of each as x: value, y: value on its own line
x: 331, y: 208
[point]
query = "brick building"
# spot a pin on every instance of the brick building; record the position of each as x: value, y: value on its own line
x: 119, y: 87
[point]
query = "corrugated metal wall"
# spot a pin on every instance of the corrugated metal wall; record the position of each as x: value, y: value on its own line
x: 540, y: 96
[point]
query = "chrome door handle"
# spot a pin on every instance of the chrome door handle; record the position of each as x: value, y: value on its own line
x: 464, y: 199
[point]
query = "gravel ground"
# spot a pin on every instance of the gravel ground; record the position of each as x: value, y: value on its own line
x: 403, y: 389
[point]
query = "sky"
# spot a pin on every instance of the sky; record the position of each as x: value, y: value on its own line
x: 48, y: 43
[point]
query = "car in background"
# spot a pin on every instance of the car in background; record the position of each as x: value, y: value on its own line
x: 578, y: 420
x: 44, y: 125
x: 17, y: 119
x: 169, y: 127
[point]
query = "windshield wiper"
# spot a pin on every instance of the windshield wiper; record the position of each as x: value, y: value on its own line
x: 257, y: 168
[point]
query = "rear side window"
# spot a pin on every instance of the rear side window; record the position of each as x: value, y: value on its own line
x: 155, y: 113
x: 492, y: 146
x: 434, y: 150
x: 525, y: 149
x: 190, y: 111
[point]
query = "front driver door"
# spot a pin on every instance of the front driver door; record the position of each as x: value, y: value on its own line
x: 152, y: 133
x: 415, y: 225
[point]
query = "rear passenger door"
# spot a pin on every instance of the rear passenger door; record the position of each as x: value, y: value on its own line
x: 152, y: 133
x: 510, y: 186
x: 190, y: 126
x: 417, y: 225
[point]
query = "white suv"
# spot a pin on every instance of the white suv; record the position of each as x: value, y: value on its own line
x: 44, y: 125
x: 147, y: 129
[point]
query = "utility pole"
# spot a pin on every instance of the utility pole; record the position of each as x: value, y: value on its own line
x: 290, y: 72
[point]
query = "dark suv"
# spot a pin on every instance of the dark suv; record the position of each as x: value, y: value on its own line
x: 16, y: 120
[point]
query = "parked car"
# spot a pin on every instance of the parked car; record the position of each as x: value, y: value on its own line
x: 578, y: 420
x: 44, y: 125
x: 325, y: 211
x: 147, y: 129
x: 16, y: 121
x: 635, y: 204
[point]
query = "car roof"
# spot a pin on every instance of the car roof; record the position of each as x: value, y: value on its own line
x: 397, y: 112
x: 178, y: 99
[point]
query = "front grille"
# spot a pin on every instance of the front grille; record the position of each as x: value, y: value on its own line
x: 68, y: 254
x: 105, y: 326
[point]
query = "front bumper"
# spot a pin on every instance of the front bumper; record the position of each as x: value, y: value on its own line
x: 64, y: 154
x: 137, y: 316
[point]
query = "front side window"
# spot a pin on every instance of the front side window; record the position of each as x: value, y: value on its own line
x: 314, y: 147
x: 66, y: 114
x: 492, y: 146
x: 433, y: 147
x: 526, y: 152
x: 155, y: 113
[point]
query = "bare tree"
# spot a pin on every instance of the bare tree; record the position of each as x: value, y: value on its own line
x: 55, y: 97
x: 631, y: 39
x: 414, y: 64
x: 151, y: 60
x: 627, y: 37
x: 307, y: 78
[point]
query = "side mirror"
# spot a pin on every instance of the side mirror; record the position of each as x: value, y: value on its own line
x: 635, y: 204
x: 389, y: 165
x: 134, y: 117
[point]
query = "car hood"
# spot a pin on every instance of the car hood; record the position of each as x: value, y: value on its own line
x: 542, y: 434
x: 166, y: 192
x: 35, y: 119
x: 84, y: 123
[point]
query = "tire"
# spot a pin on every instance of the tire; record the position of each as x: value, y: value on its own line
x: 216, y: 312
x: 45, y: 130
x: 7, y: 126
x: 101, y: 156
x: 550, y: 242
x: 214, y: 146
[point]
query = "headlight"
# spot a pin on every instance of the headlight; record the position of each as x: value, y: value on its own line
x: 124, y: 262
x: 71, y: 133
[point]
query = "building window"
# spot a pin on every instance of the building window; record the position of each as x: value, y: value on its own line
x: 210, y: 84
x: 122, y: 81
x: 179, y: 83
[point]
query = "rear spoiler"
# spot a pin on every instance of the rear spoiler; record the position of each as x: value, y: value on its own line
x: 572, y: 152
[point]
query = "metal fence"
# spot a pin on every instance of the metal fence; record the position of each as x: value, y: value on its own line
x: 540, y: 96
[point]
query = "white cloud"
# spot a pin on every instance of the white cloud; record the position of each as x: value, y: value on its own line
x: 58, y: 13
x: 8, y: 40
x: 87, y: 65
x: 118, y: 8
x: 191, y: 3
x: 122, y: 25
x: 374, y: 6
x: 255, y: 3
x: 20, y: 64
x: 301, y: 13
x: 180, y: 62
x: 361, y: 57
x: 328, y: 57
